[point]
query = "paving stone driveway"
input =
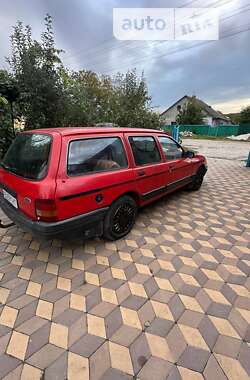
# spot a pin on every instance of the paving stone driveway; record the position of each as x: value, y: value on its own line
x: 171, y: 301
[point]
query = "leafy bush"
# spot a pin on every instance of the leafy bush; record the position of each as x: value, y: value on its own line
x: 43, y: 93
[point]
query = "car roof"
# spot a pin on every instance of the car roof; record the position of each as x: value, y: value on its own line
x: 69, y: 131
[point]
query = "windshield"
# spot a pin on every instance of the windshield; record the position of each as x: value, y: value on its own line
x: 28, y: 155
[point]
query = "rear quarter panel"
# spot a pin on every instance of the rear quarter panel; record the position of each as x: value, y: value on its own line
x: 31, y: 190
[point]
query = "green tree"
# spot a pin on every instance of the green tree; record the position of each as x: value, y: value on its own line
x: 191, y: 114
x: 89, y: 97
x: 235, y: 117
x: 132, y: 106
x: 51, y: 95
x: 8, y: 97
x: 36, y: 69
x: 10, y: 94
x: 121, y: 100
x: 245, y: 115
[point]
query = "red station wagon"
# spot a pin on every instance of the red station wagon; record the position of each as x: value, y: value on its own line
x: 55, y: 182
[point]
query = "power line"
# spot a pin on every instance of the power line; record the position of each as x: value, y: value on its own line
x: 185, y: 48
x: 99, y: 57
x: 88, y: 51
x: 243, y: 9
x: 146, y: 56
x: 96, y: 63
x: 190, y: 47
x: 167, y: 42
x: 127, y: 43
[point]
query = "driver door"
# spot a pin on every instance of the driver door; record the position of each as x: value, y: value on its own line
x: 179, y: 167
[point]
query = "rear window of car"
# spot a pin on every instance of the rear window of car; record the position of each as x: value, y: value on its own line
x: 95, y: 155
x: 28, y: 156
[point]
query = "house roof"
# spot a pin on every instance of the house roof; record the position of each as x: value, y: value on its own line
x: 210, y: 111
x: 205, y: 107
x: 173, y: 105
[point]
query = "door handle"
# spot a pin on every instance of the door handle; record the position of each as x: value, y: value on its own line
x: 141, y: 173
x: 171, y: 168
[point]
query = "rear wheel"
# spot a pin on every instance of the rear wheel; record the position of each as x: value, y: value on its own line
x: 120, y: 218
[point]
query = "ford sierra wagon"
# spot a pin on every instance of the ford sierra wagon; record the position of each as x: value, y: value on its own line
x: 91, y: 181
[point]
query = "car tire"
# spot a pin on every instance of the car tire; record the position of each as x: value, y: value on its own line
x: 195, y: 185
x: 120, y: 218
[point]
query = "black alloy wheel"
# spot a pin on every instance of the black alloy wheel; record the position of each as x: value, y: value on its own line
x: 120, y: 218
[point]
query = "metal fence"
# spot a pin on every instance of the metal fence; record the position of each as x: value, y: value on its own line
x: 209, y: 130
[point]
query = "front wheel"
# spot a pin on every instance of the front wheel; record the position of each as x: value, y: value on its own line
x: 195, y: 185
x: 120, y: 218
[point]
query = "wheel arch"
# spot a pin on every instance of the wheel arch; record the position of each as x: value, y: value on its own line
x: 133, y: 194
x: 132, y: 198
x: 202, y: 169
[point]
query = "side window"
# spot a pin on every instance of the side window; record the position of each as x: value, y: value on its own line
x: 145, y: 150
x: 171, y: 150
x: 95, y: 155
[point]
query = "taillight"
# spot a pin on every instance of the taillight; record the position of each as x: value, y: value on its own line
x: 46, y: 210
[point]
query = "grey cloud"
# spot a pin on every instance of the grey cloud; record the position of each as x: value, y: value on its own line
x: 216, y: 72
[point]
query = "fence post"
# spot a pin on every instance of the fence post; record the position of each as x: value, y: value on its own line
x: 176, y: 133
x: 248, y: 161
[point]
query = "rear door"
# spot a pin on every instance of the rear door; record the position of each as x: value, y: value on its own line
x: 179, y: 168
x: 94, y: 171
x: 149, y: 166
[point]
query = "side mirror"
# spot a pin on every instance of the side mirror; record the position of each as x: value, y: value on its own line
x: 188, y: 154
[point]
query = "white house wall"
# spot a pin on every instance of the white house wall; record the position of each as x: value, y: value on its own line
x: 171, y: 115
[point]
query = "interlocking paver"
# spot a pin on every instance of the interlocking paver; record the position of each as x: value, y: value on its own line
x: 78, y: 367
x: 155, y: 368
x: 18, y: 345
x: 169, y: 301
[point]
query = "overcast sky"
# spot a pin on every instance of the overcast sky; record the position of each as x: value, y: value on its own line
x: 217, y: 72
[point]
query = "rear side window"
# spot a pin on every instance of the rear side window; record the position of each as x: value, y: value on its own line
x: 145, y: 150
x: 95, y: 155
x: 28, y: 155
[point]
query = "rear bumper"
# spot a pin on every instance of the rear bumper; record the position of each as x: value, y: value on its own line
x: 90, y: 223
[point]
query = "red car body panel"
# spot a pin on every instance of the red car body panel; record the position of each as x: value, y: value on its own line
x: 42, y: 189
x: 77, y: 195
